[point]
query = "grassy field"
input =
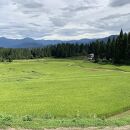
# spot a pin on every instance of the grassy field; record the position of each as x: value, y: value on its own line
x: 63, y: 88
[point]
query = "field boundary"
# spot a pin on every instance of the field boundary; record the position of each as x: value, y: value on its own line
x: 89, y: 128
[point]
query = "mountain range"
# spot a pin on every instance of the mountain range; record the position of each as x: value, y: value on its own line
x: 31, y: 43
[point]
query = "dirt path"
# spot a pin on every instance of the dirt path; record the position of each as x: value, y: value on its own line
x: 121, y: 115
x: 91, y: 128
x: 94, y: 128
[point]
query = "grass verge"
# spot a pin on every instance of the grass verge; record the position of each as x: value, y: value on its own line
x: 39, y: 123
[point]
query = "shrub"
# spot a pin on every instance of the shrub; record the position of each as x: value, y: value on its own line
x: 9, y: 59
x: 6, y: 120
x: 27, y: 118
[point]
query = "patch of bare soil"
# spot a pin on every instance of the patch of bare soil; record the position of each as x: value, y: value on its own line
x: 95, y: 128
x: 91, y: 128
x: 121, y: 115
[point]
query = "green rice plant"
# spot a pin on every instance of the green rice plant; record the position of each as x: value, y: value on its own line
x: 63, y: 88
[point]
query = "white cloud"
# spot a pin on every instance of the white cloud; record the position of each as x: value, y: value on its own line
x: 63, y: 19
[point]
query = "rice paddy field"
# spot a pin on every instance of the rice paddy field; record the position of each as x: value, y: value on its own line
x: 63, y: 88
x: 47, y: 93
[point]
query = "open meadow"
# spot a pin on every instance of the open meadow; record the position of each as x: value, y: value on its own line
x: 63, y: 88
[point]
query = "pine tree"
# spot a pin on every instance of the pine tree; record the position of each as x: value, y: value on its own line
x: 128, y: 48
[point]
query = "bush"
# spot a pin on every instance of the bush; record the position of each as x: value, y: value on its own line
x: 27, y: 118
x: 6, y: 120
x: 9, y: 59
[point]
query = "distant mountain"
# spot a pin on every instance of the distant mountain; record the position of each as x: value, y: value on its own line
x: 106, y: 38
x: 31, y: 43
x: 25, y: 43
x: 91, y: 40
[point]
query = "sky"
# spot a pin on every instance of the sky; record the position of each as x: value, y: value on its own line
x: 63, y: 19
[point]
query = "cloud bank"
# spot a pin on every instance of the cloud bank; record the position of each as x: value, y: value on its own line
x: 63, y: 19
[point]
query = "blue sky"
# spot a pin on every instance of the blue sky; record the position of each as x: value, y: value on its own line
x: 63, y: 19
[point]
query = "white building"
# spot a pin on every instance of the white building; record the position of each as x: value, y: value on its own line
x: 91, y: 56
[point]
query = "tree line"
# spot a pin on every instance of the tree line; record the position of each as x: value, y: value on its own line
x: 116, y: 50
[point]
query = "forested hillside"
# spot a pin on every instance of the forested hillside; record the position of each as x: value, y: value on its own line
x: 116, y: 50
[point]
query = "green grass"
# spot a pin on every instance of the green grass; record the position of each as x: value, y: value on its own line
x: 63, y: 88
x: 7, y: 121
